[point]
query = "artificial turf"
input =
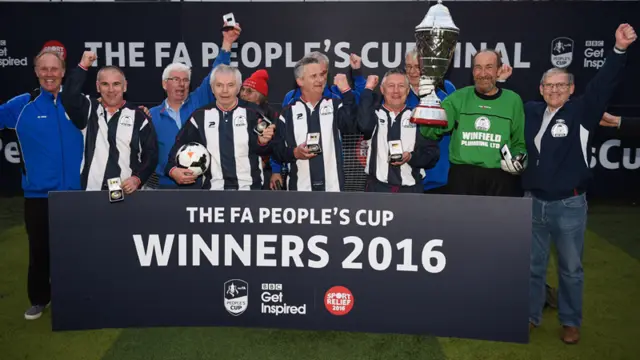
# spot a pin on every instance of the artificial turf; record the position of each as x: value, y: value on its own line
x: 611, y: 329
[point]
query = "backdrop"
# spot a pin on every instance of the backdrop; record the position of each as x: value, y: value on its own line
x: 143, y: 38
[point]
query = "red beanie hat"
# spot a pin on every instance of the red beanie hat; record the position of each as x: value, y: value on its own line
x: 258, y: 82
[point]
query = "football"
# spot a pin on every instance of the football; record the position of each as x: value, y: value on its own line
x: 195, y: 157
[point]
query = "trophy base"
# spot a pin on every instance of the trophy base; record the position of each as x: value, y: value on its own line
x: 429, y: 115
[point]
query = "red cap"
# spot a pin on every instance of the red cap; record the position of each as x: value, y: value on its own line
x: 54, y: 45
x: 258, y: 82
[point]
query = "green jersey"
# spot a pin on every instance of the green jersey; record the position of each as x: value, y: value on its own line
x: 480, y: 125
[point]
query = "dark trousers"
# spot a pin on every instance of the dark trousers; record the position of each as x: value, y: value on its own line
x: 476, y: 180
x: 36, y: 219
x: 374, y: 185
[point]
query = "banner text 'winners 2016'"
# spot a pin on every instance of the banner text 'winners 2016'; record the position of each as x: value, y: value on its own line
x: 286, y: 249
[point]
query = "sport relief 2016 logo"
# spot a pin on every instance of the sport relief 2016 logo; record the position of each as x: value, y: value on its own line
x: 338, y: 300
x: 236, y: 296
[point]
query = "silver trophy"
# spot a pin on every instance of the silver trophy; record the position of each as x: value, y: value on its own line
x: 436, y: 38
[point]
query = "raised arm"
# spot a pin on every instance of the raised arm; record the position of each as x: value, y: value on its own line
x: 78, y: 106
x: 601, y: 88
x: 359, y: 82
x: 347, y: 108
x: 203, y: 91
x: 367, y: 120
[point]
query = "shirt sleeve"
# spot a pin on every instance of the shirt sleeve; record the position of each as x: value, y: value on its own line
x: 149, y: 150
x: 346, y: 113
x: 367, y: 120
x: 77, y: 106
x: 204, y: 92
x: 601, y: 88
x: 426, y: 153
x: 435, y: 133
x: 10, y: 111
x: 188, y: 133
x: 517, y: 129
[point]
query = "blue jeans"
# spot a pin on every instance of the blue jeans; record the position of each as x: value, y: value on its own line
x: 563, y: 221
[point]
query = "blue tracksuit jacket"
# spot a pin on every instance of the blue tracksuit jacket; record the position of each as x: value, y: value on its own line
x: 50, y: 145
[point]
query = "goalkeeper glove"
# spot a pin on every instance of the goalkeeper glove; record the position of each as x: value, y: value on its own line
x: 514, y: 166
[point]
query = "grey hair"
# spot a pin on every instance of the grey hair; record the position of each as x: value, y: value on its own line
x: 226, y: 69
x: 413, y: 53
x: 111, y: 68
x: 63, y: 65
x: 395, y: 72
x: 320, y: 56
x: 176, y: 67
x: 556, y: 71
x: 298, y: 69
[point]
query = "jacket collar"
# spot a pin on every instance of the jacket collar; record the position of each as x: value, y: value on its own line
x: 47, y: 94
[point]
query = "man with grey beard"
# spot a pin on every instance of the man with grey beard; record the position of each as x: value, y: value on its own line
x: 482, y: 119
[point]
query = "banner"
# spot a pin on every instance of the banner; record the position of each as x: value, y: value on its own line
x: 10, y: 170
x: 149, y: 36
x: 392, y: 263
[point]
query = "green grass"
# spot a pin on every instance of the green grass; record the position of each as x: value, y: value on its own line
x: 611, y: 316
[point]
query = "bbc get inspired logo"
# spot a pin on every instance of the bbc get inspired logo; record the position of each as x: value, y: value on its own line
x: 563, y: 50
x: 338, y: 300
x: 7, y: 59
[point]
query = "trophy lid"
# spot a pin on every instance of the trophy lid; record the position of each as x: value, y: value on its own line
x: 438, y: 16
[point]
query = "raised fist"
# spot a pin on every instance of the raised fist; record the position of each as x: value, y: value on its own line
x: 88, y: 58
x: 372, y: 82
x: 625, y: 35
x: 231, y: 36
x: 355, y: 61
x: 340, y: 80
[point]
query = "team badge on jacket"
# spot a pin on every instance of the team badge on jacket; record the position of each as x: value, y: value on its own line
x: 326, y: 110
x: 126, y: 121
x: 559, y: 129
x: 240, y: 121
x: 483, y: 123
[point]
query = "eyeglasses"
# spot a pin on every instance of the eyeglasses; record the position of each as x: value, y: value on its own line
x: 559, y: 86
x: 179, y: 80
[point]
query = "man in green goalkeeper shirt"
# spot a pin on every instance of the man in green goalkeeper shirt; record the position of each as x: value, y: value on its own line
x: 482, y: 119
